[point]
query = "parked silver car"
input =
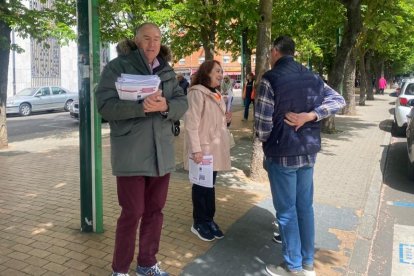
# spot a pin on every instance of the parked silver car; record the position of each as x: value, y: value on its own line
x: 39, y: 99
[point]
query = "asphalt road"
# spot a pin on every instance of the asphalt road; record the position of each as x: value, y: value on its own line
x: 40, y: 125
x: 393, y: 247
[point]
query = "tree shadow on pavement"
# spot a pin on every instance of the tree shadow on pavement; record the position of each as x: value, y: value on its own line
x: 12, y: 153
x: 347, y: 129
x: 245, y: 250
x: 247, y: 247
x: 386, y: 125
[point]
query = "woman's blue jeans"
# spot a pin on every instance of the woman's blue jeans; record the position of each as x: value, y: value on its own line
x: 292, y: 192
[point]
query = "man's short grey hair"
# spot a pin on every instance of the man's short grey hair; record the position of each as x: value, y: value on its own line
x: 285, y: 45
x: 145, y: 24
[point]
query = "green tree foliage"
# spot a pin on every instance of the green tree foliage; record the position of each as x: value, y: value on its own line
x: 313, y: 25
x: 119, y: 18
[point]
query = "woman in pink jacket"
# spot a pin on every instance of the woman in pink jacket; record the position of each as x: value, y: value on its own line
x: 382, y: 84
x: 206, y: 133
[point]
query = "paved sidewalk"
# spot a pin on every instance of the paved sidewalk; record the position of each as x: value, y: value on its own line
x: 39, y: 206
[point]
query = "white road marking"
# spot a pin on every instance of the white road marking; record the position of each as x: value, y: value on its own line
x: 403, y: 251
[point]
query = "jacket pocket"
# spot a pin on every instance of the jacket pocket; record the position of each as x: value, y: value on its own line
x: 133, y: 154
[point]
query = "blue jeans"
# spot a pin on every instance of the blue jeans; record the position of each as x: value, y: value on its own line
x: 247, y: 102
x: 292, y: 192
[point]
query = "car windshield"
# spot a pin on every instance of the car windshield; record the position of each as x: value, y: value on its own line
x: 27, y: 92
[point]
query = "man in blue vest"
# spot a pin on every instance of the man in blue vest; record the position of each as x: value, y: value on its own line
x: 290, y: 104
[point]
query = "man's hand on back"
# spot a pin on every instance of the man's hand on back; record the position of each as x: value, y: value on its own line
x: 297, y: 120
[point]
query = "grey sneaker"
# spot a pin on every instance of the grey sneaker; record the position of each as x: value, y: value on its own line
x: 308, y: 269
x: 154, y: 270
x: 119, y: 274
x: 283, y: 270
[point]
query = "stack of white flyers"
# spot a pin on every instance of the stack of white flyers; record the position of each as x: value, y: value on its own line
x: 136, y: 87
x: 201, y: 174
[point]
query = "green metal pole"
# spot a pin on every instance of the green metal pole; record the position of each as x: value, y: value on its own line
x: 89, y: 130
x: 84, y: 118
x: 95, y: 42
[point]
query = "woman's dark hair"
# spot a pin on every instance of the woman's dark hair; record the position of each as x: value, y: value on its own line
x: 202, y: 77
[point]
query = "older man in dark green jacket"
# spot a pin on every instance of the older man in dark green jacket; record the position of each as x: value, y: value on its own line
x: 142, y: 151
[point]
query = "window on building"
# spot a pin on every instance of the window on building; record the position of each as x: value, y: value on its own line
x: 181, y: 61
x: 226, y: 59
x: 254, y: 59
x: 201, y: 60
x: 239, y: 60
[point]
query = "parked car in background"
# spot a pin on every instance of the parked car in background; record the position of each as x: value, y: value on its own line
x: 401, y: 106
x: 410, y: 140
x: 399, y: 85
x: 40, y: 99
x: 74, y: 109
x: 237, y: 84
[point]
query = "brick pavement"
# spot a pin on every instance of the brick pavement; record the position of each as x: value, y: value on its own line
x: 39, y: 199
x: 39, y: 212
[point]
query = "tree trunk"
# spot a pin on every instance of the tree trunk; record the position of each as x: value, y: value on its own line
x: 248, y: 61
x: 363, y: 81
x: 208, y: 45
x: 370, y: 77
x: 257, y: 172
x: 208, y: 52
x: 352, y: 29
x: 263, y: 38
x: 208, y: 34
x: 349, y: 84
x: 5, y: 31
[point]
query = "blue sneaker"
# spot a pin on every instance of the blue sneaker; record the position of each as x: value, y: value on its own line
x: 154, y: 270
x: 215, y: 230
x: 276, y: 237
x: 202, y: 230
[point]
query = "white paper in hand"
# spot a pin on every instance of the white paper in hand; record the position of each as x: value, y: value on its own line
x: 136, y: 87
x: 201, y: 174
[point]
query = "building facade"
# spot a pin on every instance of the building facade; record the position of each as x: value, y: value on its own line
x: 39, y: 64
x: 189, y: 65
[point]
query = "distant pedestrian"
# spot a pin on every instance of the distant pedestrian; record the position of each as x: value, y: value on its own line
x: 182, y: 82
x: 227, y: 91
x: 142, y: 148
x: 206, y: 133
x: 382, y: 84
x: 289, y: 106
x: 248, y: 95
